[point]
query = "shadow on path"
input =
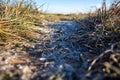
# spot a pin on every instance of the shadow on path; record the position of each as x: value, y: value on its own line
x: 56, y: 54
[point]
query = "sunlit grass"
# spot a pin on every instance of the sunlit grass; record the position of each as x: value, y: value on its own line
x: 17, y: 18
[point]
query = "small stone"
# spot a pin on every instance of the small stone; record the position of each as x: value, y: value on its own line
x: 33, y: 68
x: 61, y: 67
x: 26, y: 70
x: 27, y: 73
x: 68, y: 68
x: 2, y: 59
x: 42, y: 59
x: 21, y: 67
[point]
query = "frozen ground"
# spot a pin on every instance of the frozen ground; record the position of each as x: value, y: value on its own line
x: 61, y: 56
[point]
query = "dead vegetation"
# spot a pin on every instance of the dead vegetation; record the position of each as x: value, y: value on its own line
x: 100, y: 35
x: 103, y: 42
x: 17, y: 20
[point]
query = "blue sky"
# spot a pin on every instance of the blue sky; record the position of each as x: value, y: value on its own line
x: 69, y: 6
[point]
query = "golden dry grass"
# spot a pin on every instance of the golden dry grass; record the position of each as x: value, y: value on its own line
x: 16, y: 20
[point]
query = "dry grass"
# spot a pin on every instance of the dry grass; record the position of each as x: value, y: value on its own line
x: 103, y: 40
x: 55, y: 17
x: 16, y: 20
x: 108, y: 37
